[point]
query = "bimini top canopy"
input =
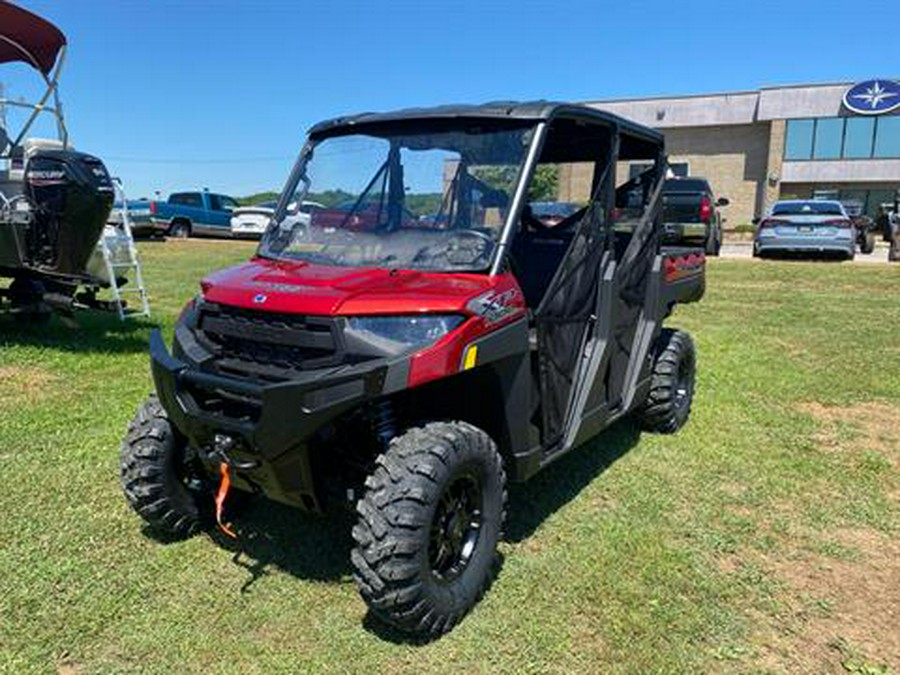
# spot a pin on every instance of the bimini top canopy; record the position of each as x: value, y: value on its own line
x: 29, y: 38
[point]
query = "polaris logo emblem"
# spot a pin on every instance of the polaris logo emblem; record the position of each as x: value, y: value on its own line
x: 873, y: 97
x: 260, y: 298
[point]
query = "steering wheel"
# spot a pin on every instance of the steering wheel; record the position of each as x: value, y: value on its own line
x: 484, y: 236
x: 446, y: 251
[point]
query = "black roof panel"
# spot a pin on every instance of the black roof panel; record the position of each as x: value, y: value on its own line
x: 508, y: 110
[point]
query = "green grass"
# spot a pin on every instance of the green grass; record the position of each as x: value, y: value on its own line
x: 635, y: 554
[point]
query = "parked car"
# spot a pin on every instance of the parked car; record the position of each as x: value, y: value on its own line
x: 363, y: 216
x: 252, y: 221
x: 184, y: 214
x: 894, y: 236
x: 865, y: 226
x: 691, y: 213
x: 408, y: 371
x: 138, y: 217
x: 809, y: 226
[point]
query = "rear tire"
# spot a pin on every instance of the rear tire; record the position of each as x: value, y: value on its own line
x: 429, y: 523
x: 180, y: 229
x: 155, y: 472
x: 713, y: 244
x: 668, y: 403
x: 868, y: 243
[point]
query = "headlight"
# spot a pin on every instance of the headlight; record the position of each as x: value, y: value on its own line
x: 400, y: 333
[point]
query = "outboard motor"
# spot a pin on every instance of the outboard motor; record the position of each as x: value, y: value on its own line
x: 71, y: 195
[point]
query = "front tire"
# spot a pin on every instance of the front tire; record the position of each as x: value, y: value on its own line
x: 156, y: 472
x: 668, y: 404
x: 429, y: 523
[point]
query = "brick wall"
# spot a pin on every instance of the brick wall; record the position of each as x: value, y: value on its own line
x: 735, y: 159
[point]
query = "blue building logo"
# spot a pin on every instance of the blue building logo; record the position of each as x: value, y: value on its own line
x: 873, y: 97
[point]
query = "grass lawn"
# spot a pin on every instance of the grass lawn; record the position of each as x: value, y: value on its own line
x: 764, y: 537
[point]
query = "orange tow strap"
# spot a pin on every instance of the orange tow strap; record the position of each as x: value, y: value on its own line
x: 221, y: 495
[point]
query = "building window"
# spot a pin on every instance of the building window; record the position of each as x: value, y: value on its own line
x: 798, y: 144
x: 843, y: 138
x: 858, y: 137
x: 828, y: 138
x: 887, y: 137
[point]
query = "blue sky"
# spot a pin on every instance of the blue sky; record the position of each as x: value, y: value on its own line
x: 178, y: 95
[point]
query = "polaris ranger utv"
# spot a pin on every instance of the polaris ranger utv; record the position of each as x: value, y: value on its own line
x: 422, y: 339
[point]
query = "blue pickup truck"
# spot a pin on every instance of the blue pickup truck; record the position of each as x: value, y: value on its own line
x: 183, y: 214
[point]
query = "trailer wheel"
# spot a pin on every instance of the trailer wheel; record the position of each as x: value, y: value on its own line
x: 25, y: 297
x: 180, y: 229
x: 668, y: 403
x: 159, y: 476
x: 429, y: 523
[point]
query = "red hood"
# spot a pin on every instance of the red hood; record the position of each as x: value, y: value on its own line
x: 305, y: 288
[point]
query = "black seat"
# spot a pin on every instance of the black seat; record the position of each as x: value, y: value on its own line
x: 537, y: 253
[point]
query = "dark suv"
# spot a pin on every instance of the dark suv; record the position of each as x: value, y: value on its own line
x: 691, y: 214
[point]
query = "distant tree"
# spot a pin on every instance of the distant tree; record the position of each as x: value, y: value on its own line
x: 424, y: 203
x: 544, y: 185
x: 258, y: 198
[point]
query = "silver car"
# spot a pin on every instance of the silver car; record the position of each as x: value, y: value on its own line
x: 809, y: 226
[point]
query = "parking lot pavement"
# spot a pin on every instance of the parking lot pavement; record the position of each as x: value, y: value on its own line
x: 744, y: 250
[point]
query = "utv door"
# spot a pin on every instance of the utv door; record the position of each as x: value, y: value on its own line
x: 565, y: 316
x: 586, y: 366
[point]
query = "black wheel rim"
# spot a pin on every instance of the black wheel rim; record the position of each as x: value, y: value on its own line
x: 684, y: 383
x: 455, y: 528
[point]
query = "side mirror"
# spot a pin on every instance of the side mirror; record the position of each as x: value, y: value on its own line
x: 723, y: 201
x: 755, y: 220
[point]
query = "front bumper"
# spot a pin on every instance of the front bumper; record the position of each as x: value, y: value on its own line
x: 807, y: 245
x: 270, y: 424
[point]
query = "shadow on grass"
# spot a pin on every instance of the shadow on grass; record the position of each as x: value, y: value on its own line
x: 89, y: 331
x: 317, y: 547
x: 307, y: 546
x: 532, y: 502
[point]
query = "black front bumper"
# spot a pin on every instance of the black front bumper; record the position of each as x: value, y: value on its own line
x: 269, y: 424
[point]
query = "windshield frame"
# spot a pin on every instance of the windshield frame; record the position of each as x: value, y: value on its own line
x: 537, y: 128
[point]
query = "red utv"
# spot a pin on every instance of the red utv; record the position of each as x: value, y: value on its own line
x: 411, y: 370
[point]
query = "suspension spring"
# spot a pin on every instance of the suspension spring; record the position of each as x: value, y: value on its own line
x: 384, y: 422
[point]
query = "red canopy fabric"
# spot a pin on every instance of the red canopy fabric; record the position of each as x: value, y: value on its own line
x: 27, y: 37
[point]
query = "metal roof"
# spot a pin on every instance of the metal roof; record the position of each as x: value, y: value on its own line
x: 498, y: 110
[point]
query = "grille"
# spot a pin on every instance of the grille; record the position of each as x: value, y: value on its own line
x: 265, y: 343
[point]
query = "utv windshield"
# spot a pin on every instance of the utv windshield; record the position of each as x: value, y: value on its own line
x: 430, y: 200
